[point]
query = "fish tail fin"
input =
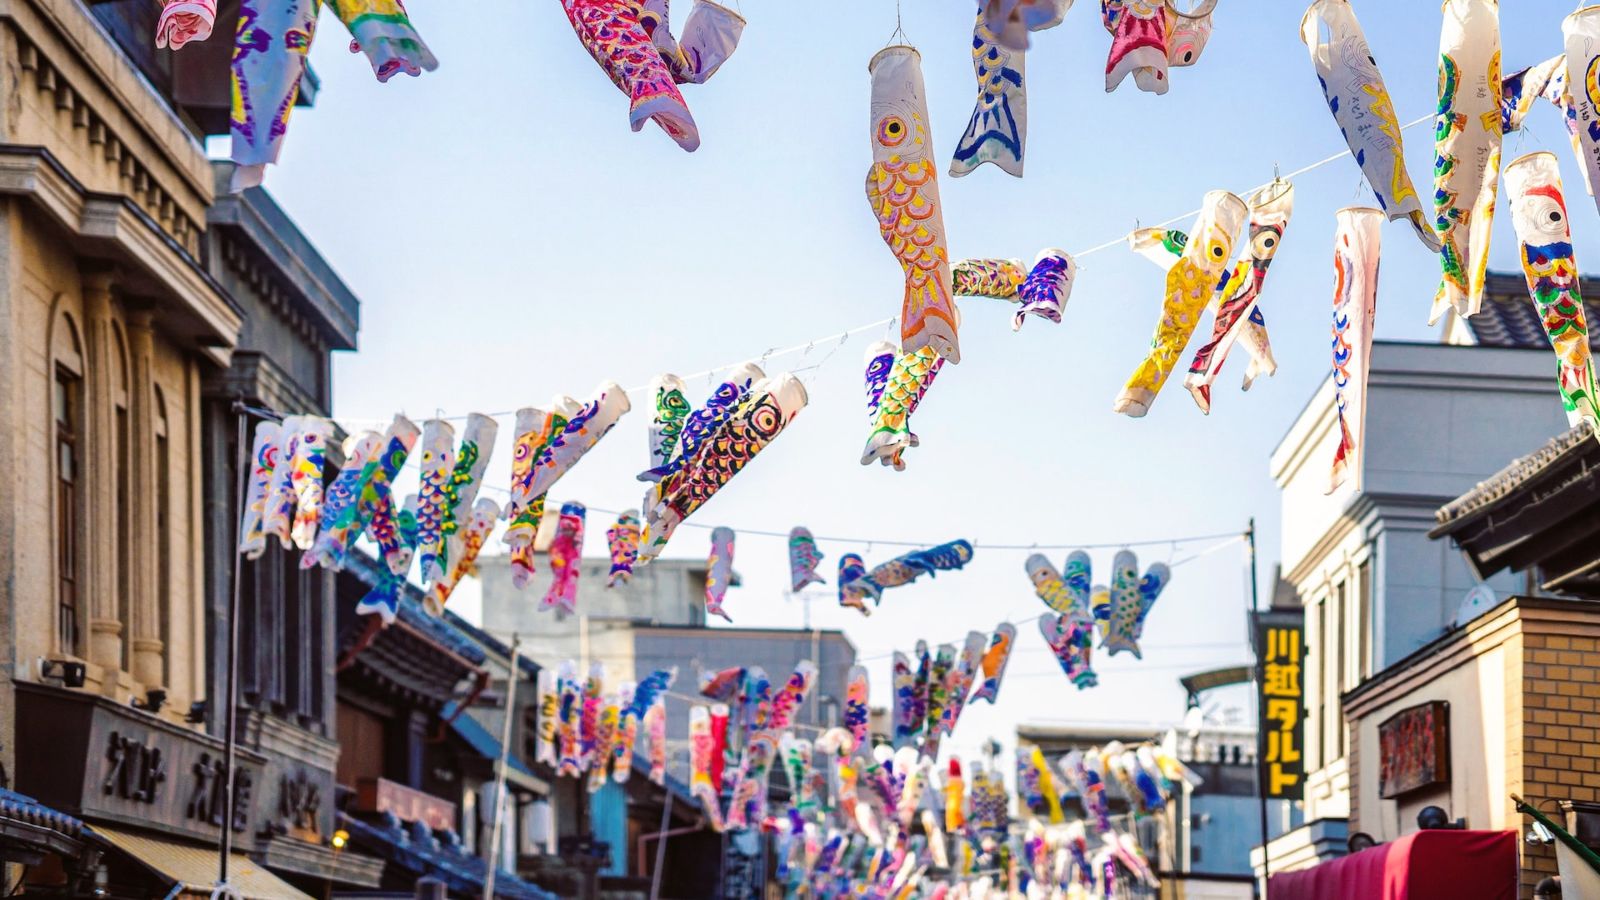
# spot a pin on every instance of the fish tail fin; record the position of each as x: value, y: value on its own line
x: 989, y: 691
x: 665, y: 106
x: 1116, y: 643
x: 992, y: 136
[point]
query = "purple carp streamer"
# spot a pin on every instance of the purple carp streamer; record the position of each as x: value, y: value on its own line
x: 1361, y: 106
x: 907, y: 568
x: 710, y: 35
x: 769, y: 407
x: 1041, y: 291
x: 1356, y: 246
x: 803, y: 559
x: 701, y: 424
x: 1539, y: 213
x: 271, y: 45
x: 719, y: 571
x: 851, y: 567
x: 622, y: 541
x: 1069, y: 628
x: 1466, y: 165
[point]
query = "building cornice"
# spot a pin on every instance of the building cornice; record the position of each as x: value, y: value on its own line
x: 113, y: 225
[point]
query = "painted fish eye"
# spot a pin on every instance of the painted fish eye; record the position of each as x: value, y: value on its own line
x: 892, y: 131
x: 1217, y: 250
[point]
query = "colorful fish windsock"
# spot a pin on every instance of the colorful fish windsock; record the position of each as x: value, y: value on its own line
x: 1163, y: 247
x: 1361, y: 106
x: 944, y: 661
x: 612, y: 33
x: 264, y: 450
x: 1539, y: 213
x: 903, y: 190
x: 701, y: 424
x: 998, y: 130
x: 994, y: 662
x: 851, y: 567
x: 438, y: 466
x: 920, y: 687
x: 803, y: 559
x: 701, y: 754
x: 1149, y: 36
x: 1466, y: 167
x: 622, y: 540
x: 383, y: 31
x: 605, y: 738
x: 666, y: 427
x: 896, y: 383
x: 710, y: 35
x: 547, y: 445
x: 1238, y: 295
x: 719, y: 743
x: 271, y: 45
x: 183, y: 21
x: 722, y: 685
x: 958, y: 684
x: 1189, y: 287
x: 719, y: 571
x: 904, y: 716
x: 460, y: 494
x: 955, y: 816
x: 549, y: 706
x: 464, y: 558
x: 1041, y: 291
x: 351, y: 501
x: 1356, y: 245
x: 759, y: 418
x: 305, y: 480
x: 567, y: 732
x: 278, y: 509
x: 1047, y: 785
x: 1580, y: 33
x: 655, y: 724
x: 566, y: 559
x: 857, y: 714
x: 1071, y: 639
x: 623, y: 748
x: 1131, y: 600
x: 907, y: 568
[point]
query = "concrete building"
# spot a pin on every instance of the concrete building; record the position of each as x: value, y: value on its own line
x: 1374, y: 587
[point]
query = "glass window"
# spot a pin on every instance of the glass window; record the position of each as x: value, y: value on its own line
x: 68, y: 389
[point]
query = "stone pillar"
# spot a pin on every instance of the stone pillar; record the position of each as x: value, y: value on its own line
x: 99, y: 466
x: 148, y: 595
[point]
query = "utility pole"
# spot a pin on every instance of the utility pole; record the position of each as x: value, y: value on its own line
x: 1261, y: 754
x: 500, y: 769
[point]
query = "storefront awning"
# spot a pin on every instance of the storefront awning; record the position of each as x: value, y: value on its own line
x: 193, y: 869
x: 1427, y: 865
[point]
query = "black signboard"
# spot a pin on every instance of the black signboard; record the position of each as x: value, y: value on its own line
x: 1280, y: 698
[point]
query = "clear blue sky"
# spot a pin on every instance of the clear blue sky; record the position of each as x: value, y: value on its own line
x: 511, y: 240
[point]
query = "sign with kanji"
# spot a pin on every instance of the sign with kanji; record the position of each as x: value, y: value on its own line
x: 1280, y: 661
x: 1414, y: 746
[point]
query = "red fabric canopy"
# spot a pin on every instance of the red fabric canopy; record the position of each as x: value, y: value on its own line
x: 1427, y: 865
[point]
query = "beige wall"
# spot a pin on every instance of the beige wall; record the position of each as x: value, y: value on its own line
x: 103, y: 194
x: 63, y: 318
x: 1523, y: 683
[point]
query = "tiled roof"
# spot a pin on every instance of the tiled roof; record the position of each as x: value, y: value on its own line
x: 1505, y: 482
x: 479, y: 738
x: 415, y: 849
x: 1508, y: 317
x: 26, y: 809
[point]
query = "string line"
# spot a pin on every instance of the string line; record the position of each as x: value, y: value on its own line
x: 839, y: 338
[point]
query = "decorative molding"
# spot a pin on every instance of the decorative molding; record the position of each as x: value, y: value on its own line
x: 136, y: 179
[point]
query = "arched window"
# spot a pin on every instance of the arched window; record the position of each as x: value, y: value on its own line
x: 66, y: 405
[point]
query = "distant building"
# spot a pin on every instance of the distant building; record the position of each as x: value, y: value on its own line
x: 1375, y: 588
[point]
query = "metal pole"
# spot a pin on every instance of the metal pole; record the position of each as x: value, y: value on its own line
x: 500, y: 770
x: 1261, y: 754
x: 661, y: 845
x: 242, y: 463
